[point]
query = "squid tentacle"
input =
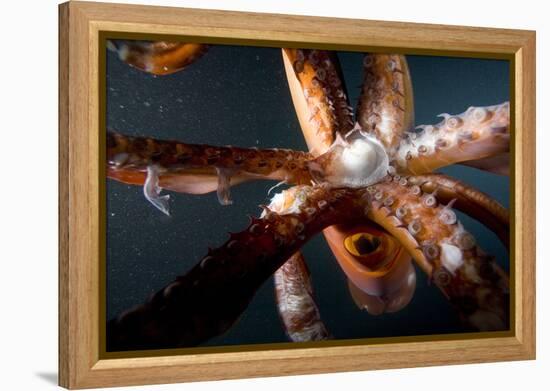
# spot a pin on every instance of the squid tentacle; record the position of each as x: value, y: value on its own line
x: 478, y: 133
x: 199, y: 169
x: 159, y: 57
x: 468, y: 200
x: 319, y: 96
x: 386, y: 107
x: 441, y: 246
x: 498, y: 164
x: 293, y: 289
x: 295, y: 302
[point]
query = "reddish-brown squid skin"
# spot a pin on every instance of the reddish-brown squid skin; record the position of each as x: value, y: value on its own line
x: 319, y: 96
x: 194, y: 168
x: 159, y: 57
x: 439, y: 244
x: 479, y: 135
x: 297, y: 308
x: 385, y: 106
x: 468, y: 200
x: 208, y: 299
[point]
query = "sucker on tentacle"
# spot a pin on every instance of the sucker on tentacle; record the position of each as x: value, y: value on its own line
x: 478, y: 133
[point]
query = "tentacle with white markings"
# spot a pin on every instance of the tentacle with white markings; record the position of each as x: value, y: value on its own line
x: 478, y: 133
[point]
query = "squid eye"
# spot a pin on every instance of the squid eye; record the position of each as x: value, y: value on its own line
x: 361, y: 244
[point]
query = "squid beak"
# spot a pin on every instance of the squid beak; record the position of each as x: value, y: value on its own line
x: 380, y: 273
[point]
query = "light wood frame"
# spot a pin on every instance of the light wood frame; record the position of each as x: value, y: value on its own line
x: 80, y: 364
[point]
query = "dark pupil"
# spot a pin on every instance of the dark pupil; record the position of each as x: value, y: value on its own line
x: 364, y: 245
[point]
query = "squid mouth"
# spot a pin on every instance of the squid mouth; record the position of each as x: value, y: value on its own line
x: 366, y: 248
x: 380, y: 274
x: 369, y: 246
x: 362, y: 244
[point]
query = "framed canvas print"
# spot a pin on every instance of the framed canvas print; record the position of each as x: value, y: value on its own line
x: 300, y: 194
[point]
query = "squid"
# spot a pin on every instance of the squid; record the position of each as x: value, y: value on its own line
x: 367, y: 183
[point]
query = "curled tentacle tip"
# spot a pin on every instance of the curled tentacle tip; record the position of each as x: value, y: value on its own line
x: 389, y: 201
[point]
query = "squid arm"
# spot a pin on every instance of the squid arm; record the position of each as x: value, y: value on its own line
x: 319, y: 96
x: 386, y: 106
x: 208, y: 299
x: 293, y: 290
x: 440, y: 245
x: 473, y: 136
x: 198, y: 169
x: 468, y: 200
x: 498, y: 164
x: 159, y: 57
x: 295, y: 302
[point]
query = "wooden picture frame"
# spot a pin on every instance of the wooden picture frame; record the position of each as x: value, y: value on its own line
x: 81, y: 364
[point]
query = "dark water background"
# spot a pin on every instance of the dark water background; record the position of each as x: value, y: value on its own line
x: 239, y: 96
